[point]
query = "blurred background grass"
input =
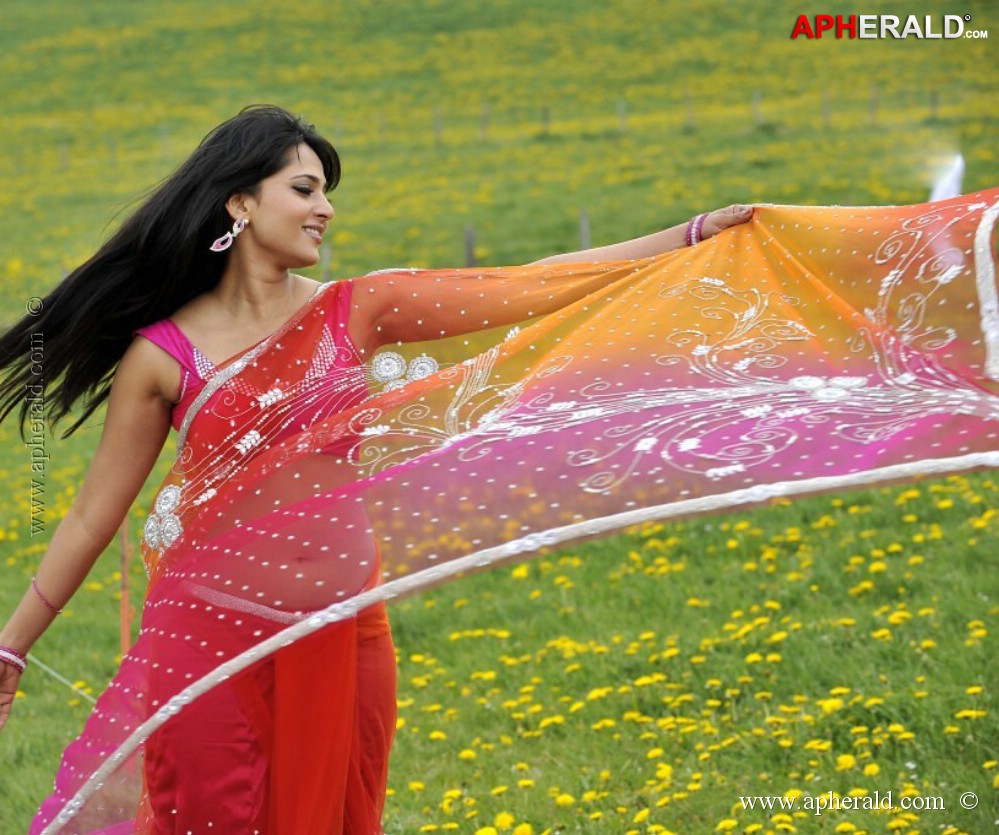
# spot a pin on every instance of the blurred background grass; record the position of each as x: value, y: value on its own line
x: 514, y: 118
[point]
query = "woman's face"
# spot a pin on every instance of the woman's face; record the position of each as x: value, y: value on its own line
x: 289, y: 213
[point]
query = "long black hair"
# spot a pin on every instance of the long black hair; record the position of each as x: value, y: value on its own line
x: 158, y: 260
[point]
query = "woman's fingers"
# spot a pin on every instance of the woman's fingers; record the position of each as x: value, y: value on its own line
x: 724, y: 218
x: 9, y: 677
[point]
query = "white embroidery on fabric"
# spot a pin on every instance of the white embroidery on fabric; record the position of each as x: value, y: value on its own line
x: 391, y: 370
x: 163, y: 526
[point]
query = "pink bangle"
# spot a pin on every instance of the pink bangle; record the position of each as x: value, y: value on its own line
x: 694, y: 229
x: 11, y: 656
x: 44, y: 599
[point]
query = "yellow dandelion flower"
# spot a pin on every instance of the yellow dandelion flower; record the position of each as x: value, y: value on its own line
x: 504, y: 821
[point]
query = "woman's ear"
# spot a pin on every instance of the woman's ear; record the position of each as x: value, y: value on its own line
x: 238, y: 206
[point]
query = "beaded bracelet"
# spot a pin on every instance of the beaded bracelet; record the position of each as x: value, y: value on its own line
x: 694, y: 229
x: 44, y: 599
x: 11, y: 656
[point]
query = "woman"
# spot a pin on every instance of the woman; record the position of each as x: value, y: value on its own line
x: 263, y: 373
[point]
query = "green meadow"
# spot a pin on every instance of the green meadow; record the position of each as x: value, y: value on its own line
x: 640, y: 684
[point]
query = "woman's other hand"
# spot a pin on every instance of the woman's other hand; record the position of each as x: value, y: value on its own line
x: 724, y: 218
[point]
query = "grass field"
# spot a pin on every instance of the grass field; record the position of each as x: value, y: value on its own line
x: 640, y: 684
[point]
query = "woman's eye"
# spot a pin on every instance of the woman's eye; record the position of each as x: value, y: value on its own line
x: 303, y: 189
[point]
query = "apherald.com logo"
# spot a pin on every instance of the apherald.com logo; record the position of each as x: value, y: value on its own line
x: 886, y: 26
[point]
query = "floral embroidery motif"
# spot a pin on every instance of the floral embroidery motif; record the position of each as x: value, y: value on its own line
x: 249, y: 441
x: 834, y: 388
x: 390, y: 369
x: 163, y: 525
x: 269, y: 398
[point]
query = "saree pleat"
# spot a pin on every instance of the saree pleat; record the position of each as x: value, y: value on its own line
x: 335, y: 753
x: 512, y: 409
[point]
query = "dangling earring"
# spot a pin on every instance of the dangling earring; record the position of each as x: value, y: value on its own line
x: 223, y: 243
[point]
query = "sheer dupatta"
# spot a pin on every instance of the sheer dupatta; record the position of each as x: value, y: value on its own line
x: 812, y: 349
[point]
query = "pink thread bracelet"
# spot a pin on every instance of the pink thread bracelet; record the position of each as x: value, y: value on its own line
x: 44, y: 599
x: 14, y: 658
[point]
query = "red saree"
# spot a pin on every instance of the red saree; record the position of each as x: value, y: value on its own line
x: 812, y: 349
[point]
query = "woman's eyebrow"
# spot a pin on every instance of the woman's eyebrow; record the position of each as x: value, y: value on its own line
x: 312, y: 178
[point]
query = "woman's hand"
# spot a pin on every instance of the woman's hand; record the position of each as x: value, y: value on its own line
x: 9, y: 677
x: 724, y: 218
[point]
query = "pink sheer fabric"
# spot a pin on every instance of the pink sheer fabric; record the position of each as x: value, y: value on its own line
x: 812, y: 349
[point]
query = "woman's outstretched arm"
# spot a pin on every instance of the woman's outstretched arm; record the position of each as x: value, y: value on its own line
x: 657, y: 243
x: 136, y: 425
x: 396, y: 306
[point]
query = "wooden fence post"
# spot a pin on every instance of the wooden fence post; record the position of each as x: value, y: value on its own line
x: 125, y: 609
x: 469, y: 246
x: 326, y: 254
